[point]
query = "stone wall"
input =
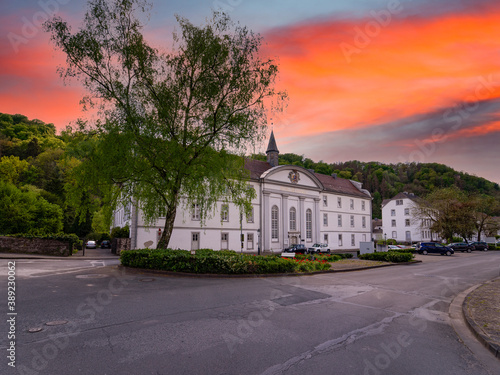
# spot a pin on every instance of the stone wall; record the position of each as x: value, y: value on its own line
x: 119, y: 244
x: 39, y: 246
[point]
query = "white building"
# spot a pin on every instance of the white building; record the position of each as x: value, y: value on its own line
x: 398, y: 222
x: 293, y: 205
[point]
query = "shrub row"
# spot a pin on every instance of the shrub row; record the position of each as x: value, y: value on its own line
x: 327, y: 257
x: 411, y: 250
x: 390, y: 256
x: 218, y: 262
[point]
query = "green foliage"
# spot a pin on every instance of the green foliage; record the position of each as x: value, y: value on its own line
x: 327, y: 257
x: 457, y: 239
x: 12, y: 168
x: 390, y: 256
x: 25, y: 211
x: 123, y: 232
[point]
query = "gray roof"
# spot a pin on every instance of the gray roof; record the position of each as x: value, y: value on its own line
x: 403, y: 195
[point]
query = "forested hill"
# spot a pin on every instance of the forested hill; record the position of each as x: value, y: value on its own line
x: 386, y: 180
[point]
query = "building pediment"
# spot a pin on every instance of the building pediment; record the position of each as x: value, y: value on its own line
x: 292, y: 175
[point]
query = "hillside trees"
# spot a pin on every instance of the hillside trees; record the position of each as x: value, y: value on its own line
x: 172, y: 124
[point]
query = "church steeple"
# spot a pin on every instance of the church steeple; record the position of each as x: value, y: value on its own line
x: 272, y: 151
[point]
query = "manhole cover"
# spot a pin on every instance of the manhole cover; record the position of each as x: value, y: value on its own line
x: 92, y: 276
x: 147, y: 280
x: 33, y: 330
x: 56, y: 323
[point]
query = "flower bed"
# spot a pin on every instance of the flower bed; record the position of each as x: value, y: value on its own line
x: 218, y: 262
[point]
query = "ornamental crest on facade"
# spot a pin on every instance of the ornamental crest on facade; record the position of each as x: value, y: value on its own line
x: 294, y: 177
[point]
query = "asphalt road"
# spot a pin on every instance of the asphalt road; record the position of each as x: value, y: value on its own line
x: 103, y: 320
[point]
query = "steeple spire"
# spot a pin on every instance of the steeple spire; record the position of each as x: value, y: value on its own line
x: 272, y: 151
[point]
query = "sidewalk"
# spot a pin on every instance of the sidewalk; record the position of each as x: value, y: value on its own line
x: 90, y: 254
x: 481, y: 309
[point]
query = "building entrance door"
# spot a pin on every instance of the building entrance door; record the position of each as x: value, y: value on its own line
x: 294, y: 240
x: 195, y: 241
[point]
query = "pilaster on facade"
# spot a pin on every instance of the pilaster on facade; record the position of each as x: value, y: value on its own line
x: 317, y: 233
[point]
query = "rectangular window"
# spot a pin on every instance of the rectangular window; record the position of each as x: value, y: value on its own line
x: 407, y: 222
x: 325, y: 220
x: 393, y: 223
x: 309, y: 225
x: 399, y: 202
x: 325, y: 201
x: 363, y: 205
x: 274, y: 223
x: 352, y: 221
x: 363, y: 221
x: 250, y: 216
x: 224, y: 241
x: 353, y: 240
x: 339, y: 218
x: 393, y: 212
x: 224, y: 211
x: 364, y: 237
x: 250, y: 241
x: 394, y: 235
x: 339, y: 202
x: 325, y: 238
x: 340, y: 240
x: 407, y: 211
x: 352, y: 204
x: 196, y: 212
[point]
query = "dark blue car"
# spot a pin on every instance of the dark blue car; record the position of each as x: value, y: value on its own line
x: 434, y: 247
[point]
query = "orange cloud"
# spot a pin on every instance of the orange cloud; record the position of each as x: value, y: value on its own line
x: 411, y: 66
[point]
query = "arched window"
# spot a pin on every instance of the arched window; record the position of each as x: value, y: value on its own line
x: 309, y: 225
x: 293, y: 219
x: 274, y: 223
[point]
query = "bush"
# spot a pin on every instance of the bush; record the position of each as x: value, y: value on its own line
x: 492, y: 246
x: 390, y: 256
x: 413, y: 251
x: 327, y: 257
x: 118, y: 232
x: 218, y: 262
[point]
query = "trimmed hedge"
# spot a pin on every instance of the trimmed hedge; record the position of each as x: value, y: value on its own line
x: 410, y: 250
x: 218, y: 262
x: 390, y: 256
x: 327, y: 257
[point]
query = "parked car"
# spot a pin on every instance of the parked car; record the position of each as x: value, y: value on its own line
x: 106, y: 244
x: 434, y: 247
x: 461, y: 246
x: 319, y: 248
x: 91, y: 245
x: 298, y: 249
x: 393, y: 247
x: 480, y: 245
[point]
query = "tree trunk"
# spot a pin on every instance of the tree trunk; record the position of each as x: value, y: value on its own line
x: 169, y: 226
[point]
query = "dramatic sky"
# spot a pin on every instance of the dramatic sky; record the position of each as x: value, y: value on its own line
x: 371, y: 80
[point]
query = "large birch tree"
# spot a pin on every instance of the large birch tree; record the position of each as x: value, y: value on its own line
x: 174, y: 125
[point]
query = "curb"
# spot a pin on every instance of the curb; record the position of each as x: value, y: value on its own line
x: 252, y: 276
x: 484, y: 339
